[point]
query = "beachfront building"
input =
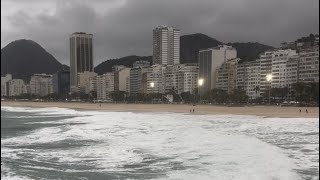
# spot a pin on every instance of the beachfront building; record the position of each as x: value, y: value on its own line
x: 153, y: 79
x: 121, y: 78
x: 309, y: 65
x: 61, y: 82
x: 136, y: 79
x: 171, y: 77
x: 41, y: 84
x: 105, y: 85
x: 16, y: 87
x: 209, y: 60
x: 248, y: 78
x: 4, y: 84
x: 84, y: 81
x: 166, y: 45
x: 81, y: 56
x: 226, y: 76
x: 188, y: 78
x: 136, y: 76
x: 279, y: 67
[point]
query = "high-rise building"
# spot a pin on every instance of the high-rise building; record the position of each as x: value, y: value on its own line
x: 209, y: 60
x: 166, y: 45
x: 81, y: 56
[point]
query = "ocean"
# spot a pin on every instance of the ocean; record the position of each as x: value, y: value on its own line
x: 57, y: 143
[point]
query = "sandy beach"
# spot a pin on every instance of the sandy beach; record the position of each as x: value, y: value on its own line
x: 267, y: 111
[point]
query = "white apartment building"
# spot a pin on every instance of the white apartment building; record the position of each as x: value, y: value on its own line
x: 188, y: 78
x: 16, y: 87
x: 171, y: 75
x: 153, y: 79
x: 4, y: 86
x: 84, y: 81
x: 209, y: 60
x: 248, y: 78
x: 166, y: 45
x: 105, y: 85
x: 279, y: 67
x: 41, y: 84
x: 309, y: 65
x: 226, y: 75
x: 292, y: 66
x: 265, y: 68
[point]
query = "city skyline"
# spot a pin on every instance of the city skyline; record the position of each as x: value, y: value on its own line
x: 123, y: 34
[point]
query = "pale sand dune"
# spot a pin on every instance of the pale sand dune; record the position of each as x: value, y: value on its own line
x: 269, y: 111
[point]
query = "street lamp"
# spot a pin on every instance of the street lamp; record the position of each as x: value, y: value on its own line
x: 200, y: 83
x: 269, y: 78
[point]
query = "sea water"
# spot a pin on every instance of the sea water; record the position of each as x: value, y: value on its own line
x: 57, y: 143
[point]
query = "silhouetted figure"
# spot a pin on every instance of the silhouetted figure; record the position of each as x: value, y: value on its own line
x: 306, y: 110
x: 193, y: 110
x: 299, y: 110
x: 190, y: 110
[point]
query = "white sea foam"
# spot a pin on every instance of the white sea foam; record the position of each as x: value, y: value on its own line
x: 185, y: 147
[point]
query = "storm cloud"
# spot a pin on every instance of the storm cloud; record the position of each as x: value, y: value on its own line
x: 124, y: 27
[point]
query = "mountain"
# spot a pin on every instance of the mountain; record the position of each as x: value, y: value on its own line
x: 249, y: 51
x: 23, y: 58
x: 127, y: 61
x: 191, y: 44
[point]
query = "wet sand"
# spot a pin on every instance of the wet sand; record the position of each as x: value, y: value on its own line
x: 267, y: 111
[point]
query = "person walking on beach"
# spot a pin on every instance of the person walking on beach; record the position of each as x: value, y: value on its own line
x: 306, y: 110
x: 299, y: 110
x: 190, y: 110
x: 193, y: 110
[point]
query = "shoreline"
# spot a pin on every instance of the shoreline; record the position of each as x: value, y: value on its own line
x: 264, y: 111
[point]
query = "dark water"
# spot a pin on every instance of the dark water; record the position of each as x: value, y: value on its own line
x: 55, y: 143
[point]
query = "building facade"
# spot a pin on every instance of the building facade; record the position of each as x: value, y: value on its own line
x: 84, y: 81
x: 81, y: 56
x: 188, y: 78
x: 121, y: 78
x: 248, y: 78
x: 105, y: 85
x: 309, y: 65
x: 41, y: 84
x: 61, y: 82
x: 209, y: 60
x: 166, y: 45
x: 136, y: 78
x: 4, y: 85
x: 226, y: 75
x: 16, y: 87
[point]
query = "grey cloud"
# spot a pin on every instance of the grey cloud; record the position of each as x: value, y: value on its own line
x: 126, y: 30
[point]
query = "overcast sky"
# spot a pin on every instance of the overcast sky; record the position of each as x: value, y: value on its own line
x: 124, y: 27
